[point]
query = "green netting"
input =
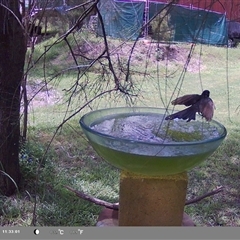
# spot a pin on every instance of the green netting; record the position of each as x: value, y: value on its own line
x: 121, y: 19
x: 125, y: 20
x: 199, y: 26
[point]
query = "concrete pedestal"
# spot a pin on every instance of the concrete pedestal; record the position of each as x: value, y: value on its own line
x: 152, y: 201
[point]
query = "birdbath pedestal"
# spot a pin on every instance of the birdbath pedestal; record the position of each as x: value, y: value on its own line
x: 152, y: 201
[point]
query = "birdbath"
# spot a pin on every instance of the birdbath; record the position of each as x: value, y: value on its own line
x: 153, y: 156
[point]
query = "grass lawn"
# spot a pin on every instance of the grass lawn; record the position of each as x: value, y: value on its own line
x: 51, y: 160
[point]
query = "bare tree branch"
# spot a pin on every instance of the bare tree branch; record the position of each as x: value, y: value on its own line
x: 197, y: 199
x: 93, y: 199
x: 115, y: 206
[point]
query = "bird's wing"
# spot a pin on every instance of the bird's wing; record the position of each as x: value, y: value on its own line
x: 187, y: 100
x: 186, y: 114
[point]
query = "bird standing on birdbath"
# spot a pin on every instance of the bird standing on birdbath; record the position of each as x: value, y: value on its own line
x: 201, y: 104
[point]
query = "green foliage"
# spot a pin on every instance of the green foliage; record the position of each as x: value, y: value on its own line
x: 162, y: 30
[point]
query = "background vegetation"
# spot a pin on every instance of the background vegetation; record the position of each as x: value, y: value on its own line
x: 52, y: 159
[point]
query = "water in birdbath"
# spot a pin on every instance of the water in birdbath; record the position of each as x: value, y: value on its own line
x: 152, y: 128
x: 143, y: 142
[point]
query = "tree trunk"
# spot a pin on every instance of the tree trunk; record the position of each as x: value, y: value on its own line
x: 12, y: 56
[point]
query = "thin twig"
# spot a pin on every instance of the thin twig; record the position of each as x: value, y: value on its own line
x: 93, y: 199
x: 15, y: 16
x: 115, y: 206
x: 197, y: 199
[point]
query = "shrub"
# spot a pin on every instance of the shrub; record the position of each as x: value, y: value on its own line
x: 161, y: 28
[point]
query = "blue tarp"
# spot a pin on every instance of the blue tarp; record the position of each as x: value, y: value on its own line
x: 125, y: 20
x: 199, y: 26
x: 121, y: 19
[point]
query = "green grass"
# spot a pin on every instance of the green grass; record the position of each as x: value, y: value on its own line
x: 71, y: 161
x: 71, y: 164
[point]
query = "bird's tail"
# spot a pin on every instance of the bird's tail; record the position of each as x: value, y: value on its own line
x: 188, y: 113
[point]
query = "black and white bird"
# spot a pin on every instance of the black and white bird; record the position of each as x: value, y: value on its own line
x: 201, y: 104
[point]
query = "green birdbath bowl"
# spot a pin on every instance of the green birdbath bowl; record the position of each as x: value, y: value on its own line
x: 139, y: 140
x: 154, y: 156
